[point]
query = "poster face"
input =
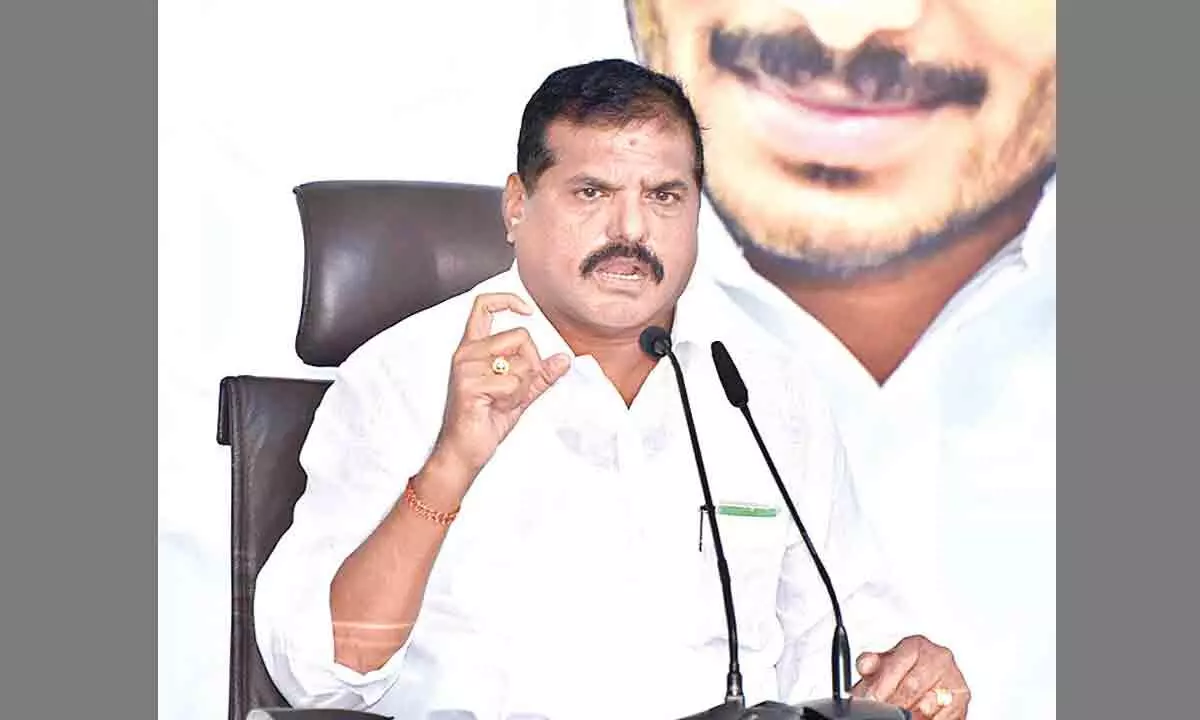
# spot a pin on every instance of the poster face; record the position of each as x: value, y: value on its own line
x: 844, y: 137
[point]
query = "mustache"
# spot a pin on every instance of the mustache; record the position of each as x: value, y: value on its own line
x: 873, y: 72
x: 623, y: 250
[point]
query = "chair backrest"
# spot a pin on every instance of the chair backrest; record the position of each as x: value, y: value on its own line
x: 264, y: 421
x: 374, y: 253
x: 377, y: 252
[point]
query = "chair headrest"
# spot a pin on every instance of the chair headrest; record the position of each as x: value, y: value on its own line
x: 376, y: 252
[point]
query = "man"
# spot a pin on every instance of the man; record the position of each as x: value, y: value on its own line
x: 502, y: 511
x: 885, y: 170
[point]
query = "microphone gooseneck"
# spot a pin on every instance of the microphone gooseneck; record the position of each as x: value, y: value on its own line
x: 656, y: 342
x: 738, y: 396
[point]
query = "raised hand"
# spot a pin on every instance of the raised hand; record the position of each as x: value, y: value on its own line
x: 493, y: 380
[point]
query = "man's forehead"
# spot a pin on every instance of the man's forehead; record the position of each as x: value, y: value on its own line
x: 664, y: 141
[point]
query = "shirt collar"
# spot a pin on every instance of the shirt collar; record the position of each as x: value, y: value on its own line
x: 693, y: 326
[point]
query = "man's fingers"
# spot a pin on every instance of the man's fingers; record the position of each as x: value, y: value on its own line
x: 928, y: 706
x: 504, y: 392
x: 510, y: 343
x: 518, y: 348
x: 482, y: 367
x: 956, y: 710
x: 479, y: 322
x: 553, y: 368
x: 913, y: 686
x: 894, y: 665
x: 522, y: 385
x: 867, y: 663
x: 935, y: 668
x: 908, y: 676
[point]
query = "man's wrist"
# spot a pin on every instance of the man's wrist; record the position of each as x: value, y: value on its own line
x: 442, y: 482
x: 423, y: 510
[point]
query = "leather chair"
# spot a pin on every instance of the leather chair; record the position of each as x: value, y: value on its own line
x: 374, y: 254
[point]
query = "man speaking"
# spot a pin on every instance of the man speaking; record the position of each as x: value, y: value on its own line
x: 502, y: 511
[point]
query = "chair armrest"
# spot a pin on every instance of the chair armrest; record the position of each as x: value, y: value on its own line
x: 311, y: 714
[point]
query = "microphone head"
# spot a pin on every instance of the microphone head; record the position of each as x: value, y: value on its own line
x: 655, y: 341
x: 731, y: 379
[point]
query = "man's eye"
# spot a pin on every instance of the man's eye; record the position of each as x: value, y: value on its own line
x: 588, y: 193
x: 665, y: 197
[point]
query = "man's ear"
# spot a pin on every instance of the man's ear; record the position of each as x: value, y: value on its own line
x: 513, y: 204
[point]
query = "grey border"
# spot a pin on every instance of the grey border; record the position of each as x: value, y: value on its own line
x: 77, y: 310
x: 77, y: 364
x: 1127, y: 569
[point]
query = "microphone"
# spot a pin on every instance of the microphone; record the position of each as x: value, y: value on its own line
x: 840, y: 706
x: 656, y: 342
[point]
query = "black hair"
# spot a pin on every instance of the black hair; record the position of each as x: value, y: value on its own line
x: 603, y: 92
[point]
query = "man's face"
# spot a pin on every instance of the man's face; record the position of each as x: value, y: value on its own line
x: 606, y: 239
x: 847, y: 134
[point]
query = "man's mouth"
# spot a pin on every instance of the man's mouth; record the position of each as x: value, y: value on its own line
x: 622, y: 270
x: 620, y: 263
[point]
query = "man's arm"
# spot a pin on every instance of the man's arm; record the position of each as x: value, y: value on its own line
x: 341, y: 593
x: 364, y: 442
x: 376, y: 594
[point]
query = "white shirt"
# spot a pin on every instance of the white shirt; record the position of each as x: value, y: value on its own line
x: 954, y: 457
x: 572, y: 584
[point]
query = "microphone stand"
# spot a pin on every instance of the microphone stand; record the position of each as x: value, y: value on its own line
x: 656, y: 342
x: 839, y: 706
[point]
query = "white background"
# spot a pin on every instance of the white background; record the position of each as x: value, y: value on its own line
x: 255, y: 98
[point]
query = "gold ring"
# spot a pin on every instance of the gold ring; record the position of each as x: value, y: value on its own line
x: 943, y: 696
x: 500, y: 366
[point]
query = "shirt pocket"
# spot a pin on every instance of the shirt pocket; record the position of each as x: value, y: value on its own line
x: 754, y: 549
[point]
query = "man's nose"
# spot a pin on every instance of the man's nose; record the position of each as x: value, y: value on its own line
x: 627, y: 223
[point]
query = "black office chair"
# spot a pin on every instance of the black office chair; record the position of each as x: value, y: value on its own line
x: 374, y: 254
